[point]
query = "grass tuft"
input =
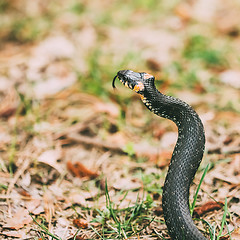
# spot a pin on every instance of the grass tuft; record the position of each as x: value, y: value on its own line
x: 44, y: 229
x: 124, y: 223
x: 198, y: 48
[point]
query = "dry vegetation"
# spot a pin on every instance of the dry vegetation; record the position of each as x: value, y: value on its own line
x: 81, y: 161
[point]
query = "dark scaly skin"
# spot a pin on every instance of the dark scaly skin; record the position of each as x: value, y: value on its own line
x: 186, y: 157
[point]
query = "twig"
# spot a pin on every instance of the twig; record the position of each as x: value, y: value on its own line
x: 75, y: 128
x: 78, y: 127
x: 95, y: 142
x: 19, y: 172
x: 5, y: 196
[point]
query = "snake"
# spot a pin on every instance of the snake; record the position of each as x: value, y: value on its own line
x: 186, y: 157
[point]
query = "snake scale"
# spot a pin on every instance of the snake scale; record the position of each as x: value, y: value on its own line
x: 186, y: 157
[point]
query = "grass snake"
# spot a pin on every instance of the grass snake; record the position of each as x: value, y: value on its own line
x: 186, y: 157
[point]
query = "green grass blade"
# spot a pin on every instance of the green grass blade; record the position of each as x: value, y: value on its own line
x: 211, y: 229
x: 109, y: 204
x: 75, y: 235
x: 45, y: 230
x: 223, y: 220
x: 96, y: 232
x: 198, y: 188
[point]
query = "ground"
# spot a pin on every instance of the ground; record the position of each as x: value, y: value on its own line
x: 79, y: 160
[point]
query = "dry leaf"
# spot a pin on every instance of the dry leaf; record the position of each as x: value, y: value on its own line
x: 207, y: 207
x: 38, y: 210
x: 236, y: 234
x: 109, y: 108
x: 55, y: 48
x: 53, y: 85
x: 61, y: 228
x: 20, y: 218
x: 79, y: 170
x: 50, y: 158
x: 231, y: 77
x: 126, y: 184
x: 80, y: 223
x: 94, y: 141
x: 24, y: 193
x: 235, y: 209
x: 15, y: 234
x: 78, y: 198
x: 235, y: 180
x: 25, y: 181
x: 32, y: 205
x: 8, y: 105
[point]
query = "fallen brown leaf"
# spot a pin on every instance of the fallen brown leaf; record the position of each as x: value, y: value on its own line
x: 24, y: 193
x: 207, y: 207
x: 80, y: 223
x: 79, y: 170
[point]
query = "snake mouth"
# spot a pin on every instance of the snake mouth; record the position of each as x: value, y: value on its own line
x: 124, y: 81
x: 130, y: 79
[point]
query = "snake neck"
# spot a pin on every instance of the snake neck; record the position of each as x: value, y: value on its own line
x: 186, y: 158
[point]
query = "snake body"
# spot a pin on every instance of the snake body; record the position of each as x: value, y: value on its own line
x: 186, y: 157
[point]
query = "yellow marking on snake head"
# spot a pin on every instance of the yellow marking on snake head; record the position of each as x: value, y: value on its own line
x: 138, y: 87
x: 147, y: 76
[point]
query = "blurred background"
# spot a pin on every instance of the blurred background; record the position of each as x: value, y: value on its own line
x: 63, y: 127
x: 190, y: 44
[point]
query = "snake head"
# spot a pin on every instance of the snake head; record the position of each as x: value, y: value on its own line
x: 137, y: 81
